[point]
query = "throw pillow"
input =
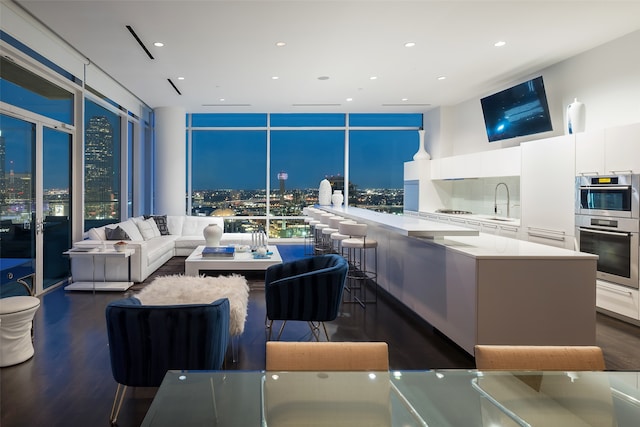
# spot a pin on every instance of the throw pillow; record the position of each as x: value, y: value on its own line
x: 161, y: 222
x: 148, y: 229
x: 116, y: 234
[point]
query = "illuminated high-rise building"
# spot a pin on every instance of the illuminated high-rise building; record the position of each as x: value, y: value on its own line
x: 99, y: 179
x: 282, y: 177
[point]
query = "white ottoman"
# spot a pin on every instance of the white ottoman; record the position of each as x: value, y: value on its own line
x: 16, y: 320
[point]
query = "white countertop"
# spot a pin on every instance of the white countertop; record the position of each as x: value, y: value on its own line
x: 492, y: 246
x: 404, y: 224
x: 460, y: 239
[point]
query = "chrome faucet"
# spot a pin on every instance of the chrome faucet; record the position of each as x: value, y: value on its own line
x: 495, y: 199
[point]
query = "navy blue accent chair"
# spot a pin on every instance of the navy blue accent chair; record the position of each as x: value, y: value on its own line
x: 145, y: 341
x: 309, y: 289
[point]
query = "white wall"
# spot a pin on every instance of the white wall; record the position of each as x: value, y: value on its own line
x: 606, y: 79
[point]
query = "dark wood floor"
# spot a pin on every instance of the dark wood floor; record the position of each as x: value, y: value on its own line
x: 68, y: 382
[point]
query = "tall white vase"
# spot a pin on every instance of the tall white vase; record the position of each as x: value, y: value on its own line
x: 324, y: 193
x: 337, y: 198
x: 422, y: 153
x: 575, y: 117
x: 212, y: 234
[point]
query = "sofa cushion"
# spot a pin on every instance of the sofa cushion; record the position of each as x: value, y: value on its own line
x: 161, y: 222
x: 97, y: 233
x: 194, y: 225
x: 189, y: 242
x: 148, y: 228
x: 174, y: 224
x: 116, y: 233
x: 157, y: 247
x: 130, y: 227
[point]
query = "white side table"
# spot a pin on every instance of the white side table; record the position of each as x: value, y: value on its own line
x: 104, y: 285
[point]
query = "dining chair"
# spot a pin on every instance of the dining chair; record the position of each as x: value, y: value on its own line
x: 327, y: 356
x: 145, y: 341
x: 539, y: 358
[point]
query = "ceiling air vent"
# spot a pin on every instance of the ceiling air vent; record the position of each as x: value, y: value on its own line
x: 316, y: 105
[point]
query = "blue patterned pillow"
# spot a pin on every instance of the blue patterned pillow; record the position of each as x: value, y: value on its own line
x: 161, y: 222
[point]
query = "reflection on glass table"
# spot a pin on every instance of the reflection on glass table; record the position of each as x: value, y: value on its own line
x: 397, y: 398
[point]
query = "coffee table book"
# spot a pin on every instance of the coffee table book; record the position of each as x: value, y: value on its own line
x: 218, y: 252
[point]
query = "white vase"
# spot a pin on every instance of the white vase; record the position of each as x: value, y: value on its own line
x: 324, y: 193
x: 212, y: 234
x: 337, y: 198
x: 575, y: 117
x: 421, y: 154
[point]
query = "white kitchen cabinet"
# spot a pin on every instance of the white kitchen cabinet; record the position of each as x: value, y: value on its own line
x: 618, y: 299
x: 590, y: 153
x: 485, y: 164
x: 609, y: 151
x: 423, y: 194
x: 547, y: 191
x: 622, y: 149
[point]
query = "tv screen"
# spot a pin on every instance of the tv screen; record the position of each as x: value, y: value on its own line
x: 518, y: 111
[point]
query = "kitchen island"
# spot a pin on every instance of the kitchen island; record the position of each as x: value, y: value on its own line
x: 484, y: 289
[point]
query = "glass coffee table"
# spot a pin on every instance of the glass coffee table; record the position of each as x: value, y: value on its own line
x: 241, y: 261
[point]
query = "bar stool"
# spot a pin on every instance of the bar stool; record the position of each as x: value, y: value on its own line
x: 337, y: 237
x: 323, y: 218
x: 328, y: 231
x: 309, y: 232
x: 360, y: 276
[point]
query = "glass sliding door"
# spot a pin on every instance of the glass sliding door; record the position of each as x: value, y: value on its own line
x: 56, y: 205
x: 17, y: 203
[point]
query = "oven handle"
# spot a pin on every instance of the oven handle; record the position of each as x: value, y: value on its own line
x: 608, y: 187
x: 610, y: 233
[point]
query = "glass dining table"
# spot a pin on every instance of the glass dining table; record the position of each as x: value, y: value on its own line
x: 396, y: 398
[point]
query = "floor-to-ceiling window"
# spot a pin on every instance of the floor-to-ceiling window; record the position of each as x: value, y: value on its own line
x: 35, y: 177
x: 261, y: 169
x: 101, y: 165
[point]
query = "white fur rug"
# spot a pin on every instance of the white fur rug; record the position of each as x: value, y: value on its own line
x: 179, y: 289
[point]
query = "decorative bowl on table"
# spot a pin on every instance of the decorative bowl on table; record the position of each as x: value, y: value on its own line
x: 120, y: 246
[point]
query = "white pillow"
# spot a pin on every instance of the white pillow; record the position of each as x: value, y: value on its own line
x: 148, y: 228
x: 130, y: 227
x: 97, y: 233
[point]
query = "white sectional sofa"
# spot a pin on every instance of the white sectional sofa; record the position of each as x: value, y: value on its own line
x: 152, y: 249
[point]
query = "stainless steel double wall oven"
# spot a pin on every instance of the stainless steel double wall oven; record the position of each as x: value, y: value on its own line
x: 607, y: 224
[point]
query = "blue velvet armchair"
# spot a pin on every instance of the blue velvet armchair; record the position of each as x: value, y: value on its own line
x: 309, y: 289
x: 145, y: 341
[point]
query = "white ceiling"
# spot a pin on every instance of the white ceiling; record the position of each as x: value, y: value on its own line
x: 227, y: 49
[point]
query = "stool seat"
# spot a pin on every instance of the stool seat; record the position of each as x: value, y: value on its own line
x: 16, y: 325
x: 359, y: 243
x: 17, y: 304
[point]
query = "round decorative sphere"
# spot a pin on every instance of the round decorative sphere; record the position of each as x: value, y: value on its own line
x: 212, y: 234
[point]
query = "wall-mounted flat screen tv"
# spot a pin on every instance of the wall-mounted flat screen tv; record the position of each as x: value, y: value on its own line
x: 518, y: 111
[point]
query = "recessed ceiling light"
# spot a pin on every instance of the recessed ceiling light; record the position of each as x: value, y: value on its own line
x: 409, y: 44
x: 180, y: 78
x: 405, y: 99
x: 281, y: 44
x: 373, y: 78
x: 158, y: 44
x: 221, y: 99
x: 274, y: 77
x: 349, y: 99
x: 442, y: 78
x: 499, y: 43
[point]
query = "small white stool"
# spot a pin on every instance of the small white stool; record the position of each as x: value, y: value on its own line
x: 16, y: 325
